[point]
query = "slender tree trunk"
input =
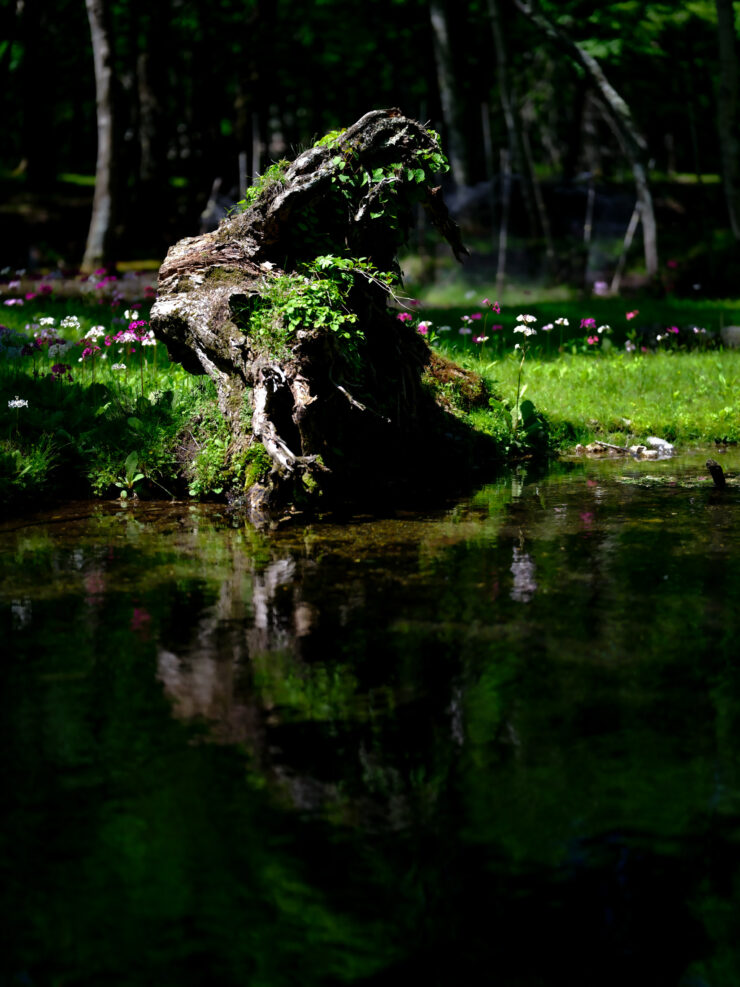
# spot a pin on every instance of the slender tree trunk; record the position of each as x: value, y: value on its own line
x: 728, y: 111
x: 447, y: 91
x: 100, y: 250
x: 503, y: 230
x: 153, y: 189
x: 37, y: 66
x: 632, y: 140
x: 511, y: 117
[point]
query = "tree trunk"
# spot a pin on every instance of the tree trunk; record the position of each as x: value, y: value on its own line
x: 620, y: 115
x: 447, y: 92
x: 728, y: 111
x: 327, y: 405
x: 516, y: 161
x: 100, y: 247
x: 151, y: 84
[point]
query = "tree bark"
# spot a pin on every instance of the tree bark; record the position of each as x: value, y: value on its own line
x: 341, y: 421
x: 100, y: 247
x: 728, y: 111
x: 621, y: 116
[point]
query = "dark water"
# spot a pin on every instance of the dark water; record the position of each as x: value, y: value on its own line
x: 496, y: 744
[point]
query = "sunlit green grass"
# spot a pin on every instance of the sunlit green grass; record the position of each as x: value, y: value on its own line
x: 688, y: 398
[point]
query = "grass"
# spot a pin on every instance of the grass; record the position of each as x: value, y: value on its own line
x: 82, y: 428
x: 153, y: 429
x: 690, y: 398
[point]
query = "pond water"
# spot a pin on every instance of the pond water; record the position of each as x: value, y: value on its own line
x: 498, y: 742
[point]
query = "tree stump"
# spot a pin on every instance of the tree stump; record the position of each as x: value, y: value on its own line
x: 329, y: 397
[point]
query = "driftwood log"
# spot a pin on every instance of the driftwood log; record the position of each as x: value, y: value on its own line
x: 336, y: 418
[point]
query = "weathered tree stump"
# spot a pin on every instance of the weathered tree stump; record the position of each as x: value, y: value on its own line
x: 330, y: 398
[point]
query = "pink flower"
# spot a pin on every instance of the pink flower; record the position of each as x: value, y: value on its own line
x: 404, y: 316
x: 631, y: 315
x: 592, y: 340
x: 30, y: 295
x: 140, y: 622
x: 588, y: 323
x: 494, y: 306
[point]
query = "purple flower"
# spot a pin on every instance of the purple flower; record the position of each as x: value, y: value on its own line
x: 588, y: 323
x: 404, y: 316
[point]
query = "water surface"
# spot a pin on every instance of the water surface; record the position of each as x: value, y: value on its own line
x: 493, y: 743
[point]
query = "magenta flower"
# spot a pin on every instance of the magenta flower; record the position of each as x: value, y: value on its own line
x: 673, y: 329
x: 631, y: 315
x: 404, y: 316
x: 494, y: 306
x: 476, y: 315
x: 592, y: 340
x: 496, y: 328
x: 588, y: 323
x: 672, y: 264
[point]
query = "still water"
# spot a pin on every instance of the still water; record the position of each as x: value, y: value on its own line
x: 496, y: 743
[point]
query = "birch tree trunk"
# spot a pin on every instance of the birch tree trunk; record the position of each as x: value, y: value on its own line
x: 511, y: 117
x: 728, y: 111
x: 99, y: 250
x: 633, y: 142
x: 447, y: 91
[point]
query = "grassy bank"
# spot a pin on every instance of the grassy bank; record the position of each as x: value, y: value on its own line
x: 91, y: 407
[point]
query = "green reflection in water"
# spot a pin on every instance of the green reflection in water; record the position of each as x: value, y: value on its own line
x: 493, y: 744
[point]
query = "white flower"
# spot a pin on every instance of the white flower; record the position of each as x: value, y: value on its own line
x: 517, y: 346
x: 526, y: 318
x: 95, y: 333
x: 18, y: 403
x: 445, y: 328
x: 70, y: 322
x: 13, y: 301
x: 131, y: 314
x: 118, y: 366
x: 606, y: 329
x: 629, y: 346
x: 527, y: 330
x: 47, y: 320
x: 548, y: 327
x: 562, y: 322
x: 465, y: 331
x: 148, y: 338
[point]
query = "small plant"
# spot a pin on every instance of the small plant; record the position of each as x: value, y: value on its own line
x: 271, y: 176
x: 131, y: 476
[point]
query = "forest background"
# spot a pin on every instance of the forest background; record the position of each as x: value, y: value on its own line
x: 566, y: 124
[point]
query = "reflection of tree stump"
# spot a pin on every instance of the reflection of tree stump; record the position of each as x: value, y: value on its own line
x: 717, y: 473
x: 323, y: 408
